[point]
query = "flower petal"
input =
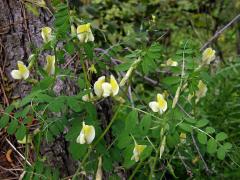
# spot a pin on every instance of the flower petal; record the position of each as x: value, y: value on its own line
x: 98, y: 86
x: 89, y: 134
x: 46, y: 34
x: 114, y: 84
x: 208, y: 56
x: 154, y: 106
x: 162, y: 103
x: 16, y: 74
x: 50, y: 66
x: 83, y: 28
x: 23, y: 70
x: 107, y: 89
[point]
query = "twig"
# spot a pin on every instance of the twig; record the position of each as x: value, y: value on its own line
x: 197, y: 148
x: 15, y: 149
x: 188, y: 169
x: 220, y: 32
x: 130, y: 95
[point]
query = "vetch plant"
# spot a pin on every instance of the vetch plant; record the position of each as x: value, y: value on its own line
x: 101, y: 117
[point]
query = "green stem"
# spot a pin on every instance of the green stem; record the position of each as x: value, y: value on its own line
x: 135, y: 170
x: 96, y: 142
x: 84, y: 70
x: 154, y: 163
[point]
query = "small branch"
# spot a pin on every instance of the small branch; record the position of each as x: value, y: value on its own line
x: 219, y: 32
x: 15, y: 149
x: 189, y: 172
x: 197, y: 148
x: 130, y: 95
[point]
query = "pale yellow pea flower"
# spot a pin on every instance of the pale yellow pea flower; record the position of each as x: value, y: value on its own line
x: 202, y: 90
x: 126, y: 77
x: 21, y: 73
x: 50, y: 65
x: 208, y: 56
x: 99, y: 173
x: 86, y: 135
x: 160, y: 105
x: 84, y: 33
x: 162, y: 147
x: 88, y: 97
x: 137, y: 151
x: 170, y: 62
x: 182, y: 137
x: 105, y: 89
x: 46, y: 34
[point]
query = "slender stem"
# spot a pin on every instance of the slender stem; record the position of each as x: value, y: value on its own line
x: 135, y: 170
x: 84, y: 70
x: 96, y: 142
x: 154, y: 164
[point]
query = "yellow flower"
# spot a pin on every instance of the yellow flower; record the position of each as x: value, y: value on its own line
x: 202, y: 90
x: 25, y: 140
x: 86, y: 135
x: 126, y: 77
x: 50, y: 66
x: 208, y: 56
x: 87, y: 97
x: 92, y: 69
x: 160, y: 105
x: 153, y: 18
x: 170, y: 62
x: 21, y: 73
x: 138, y: 149
x: 183, y: 137
x: 105, y: 89
x: 46, y: 34
x: 84, y: 33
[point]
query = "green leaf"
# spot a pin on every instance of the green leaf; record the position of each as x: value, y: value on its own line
x: 123, y: 66
x: 124, y: 140
x: 186, y: 127
x: 171, y: 80
x: 21, y: 132
x: 74, y: 104
x: 70, y: 48
x: 54, y: 129
x: 107, y: 163
x: 39, y: 167
x: 4, y: 121
x: 57, y: 104
x: 221, y: 136
x: 131, y: 121
x: 190, y: 120
x: 77, y: 150
x: 127, y: 154
x: 221, y: 153
x: 202, y: 123
x: 12, y: 127
x: 91, y: 110
x: 56, y: 174
x: 209, y: 130
x: 88, y: 48
x: 5, y: 118
x: 211, y: 146
x: 202, y: 138
x: 44, y: 84
x: 227, y: 146
x: 145, y: 124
